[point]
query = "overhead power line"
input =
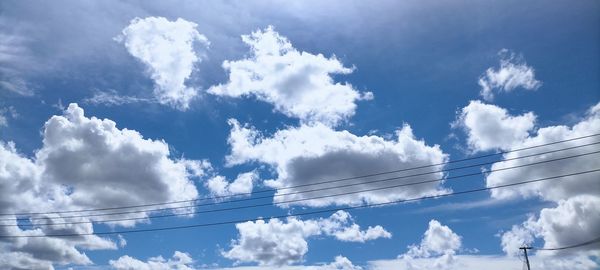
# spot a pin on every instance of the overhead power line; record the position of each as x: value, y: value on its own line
x: 586, y: 243
x: 274, y: 203
x: 320, y: 182
x: 312, y: 183
x: 346, y: 208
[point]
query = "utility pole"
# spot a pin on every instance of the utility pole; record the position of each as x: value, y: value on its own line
x: 525, y: 248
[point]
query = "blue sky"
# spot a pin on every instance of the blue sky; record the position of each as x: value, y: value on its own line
x: 107, y: 104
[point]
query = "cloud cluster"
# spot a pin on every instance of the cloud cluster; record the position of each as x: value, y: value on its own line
x: 340, y: 263
x: 438, y: 247
x: 84, y: 163
x: 179, y: 261
x: 299, y: 84
x: 490, y: 127
x: 559, y: 189
x: 168, y: 49
x: 278, y: 242
x: 512, y: 73
x: 243, y: 183
x: 314, y: 153
x: 573, y: 219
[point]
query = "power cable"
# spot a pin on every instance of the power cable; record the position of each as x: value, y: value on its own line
x: 346, y: 208
x: 315, y: 183
x: 334, y: 187
x: 596, y: 240
x: 278, y: 203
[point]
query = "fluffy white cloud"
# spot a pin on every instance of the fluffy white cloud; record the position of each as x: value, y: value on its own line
x: 179, y: 261
x: 517, y: 237
x: 462, y: 262
x: 299, y: 84
x: 314, y: 153
x: 512, y: 73
x: 490, y: 127
x: 103, y: 166
x: 574, y: 219
x: 167, y: 48
x: 279, y: 242
x: 558, y: 189
x: 439, y: 244
x: 219, y: 186
x: 83, y: 163
x: 341, y: 263
x: 341, y: 226
x: 438, y: 239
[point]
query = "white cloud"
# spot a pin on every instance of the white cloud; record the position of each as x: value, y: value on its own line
x: 299, y: 84
x: 513, y: 73
x: 574, y: 218
x: 490, y: 127
x: 572, y: 221
x: 219, y: 186
x: 439, y: 244
x: 488, y: 262
x: 558, y: 189
x: 437, y: 240
x: 272, y: 243
x: 167, y: 49
x: 278, y: 243
x: 339, y: 263
x: 517, y: 237
x: 104, y: 166
x: 83, y: 163
x: 341, y: 226
x: 314, y: 153
x: 15, y: 61
x: 179, y: 261
x: 112, y: 98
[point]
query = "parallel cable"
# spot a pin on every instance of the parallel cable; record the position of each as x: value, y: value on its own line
x: 319, y: 189
x: 314, y: 183
x: 277, y: 195
x: 571, y: 246
x: 331, y: 210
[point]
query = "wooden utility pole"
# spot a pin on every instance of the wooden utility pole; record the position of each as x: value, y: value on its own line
x: 525, y: 248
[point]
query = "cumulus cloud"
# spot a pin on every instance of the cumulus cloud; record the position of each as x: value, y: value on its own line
x: 488, y: 262
x: 278, y: 242
x: 513, y: 73
x: 84, y: 163
x: 167, y: 48
x: 341, y: 226
x: 179, y: 261
x: 573, y: 219
x: 219, y: 186
x: 552, y: 190
x: 299, y: 84
x: 102, y: 165
x: 314, y: 153
x: 438, y: 246
x: 341, y: 263
x: 489, y: 127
